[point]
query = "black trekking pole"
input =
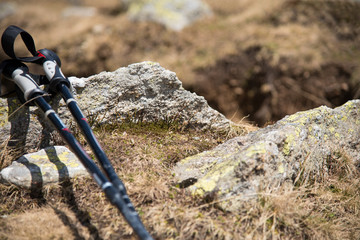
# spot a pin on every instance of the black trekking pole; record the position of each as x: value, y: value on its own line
x: 19, y: 73
x: 58, y: 83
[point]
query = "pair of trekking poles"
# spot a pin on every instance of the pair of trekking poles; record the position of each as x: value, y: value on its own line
x: 28, y: 90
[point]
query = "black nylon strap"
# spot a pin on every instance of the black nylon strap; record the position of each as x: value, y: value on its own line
x: 8, y: 40
x: 7, y: 88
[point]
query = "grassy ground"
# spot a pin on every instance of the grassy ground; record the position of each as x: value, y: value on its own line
x: 143, y: 157
x: 265, y: 58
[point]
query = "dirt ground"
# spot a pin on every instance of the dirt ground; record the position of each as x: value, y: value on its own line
x: 256, y: 59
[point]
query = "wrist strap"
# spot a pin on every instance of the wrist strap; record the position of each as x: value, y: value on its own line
x: 8, y: 40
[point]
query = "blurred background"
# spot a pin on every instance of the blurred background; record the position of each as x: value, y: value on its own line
x: 253, y: 59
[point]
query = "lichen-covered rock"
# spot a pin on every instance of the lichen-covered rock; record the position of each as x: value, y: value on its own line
x: 297, y: 148
x: 174, y: 14
x: 47, y: 166
x: 141, y: 92
x: 147, y: 92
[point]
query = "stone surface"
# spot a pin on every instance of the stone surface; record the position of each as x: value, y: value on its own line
x: 47, y: 166
x: 141, y: 92
x: 147, y: 92
x: 24, y: 127
x: 174, y: 14
x: 298, y: 148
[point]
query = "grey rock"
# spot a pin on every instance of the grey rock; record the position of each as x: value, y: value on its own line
x: 146, y: 92
x: 300, y: 148
x: 141, y: 92
x: 48, y: 166
x: 76, y: 83
x: 174, y: 14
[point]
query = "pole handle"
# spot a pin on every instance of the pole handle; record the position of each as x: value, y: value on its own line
x: 19, y: 74
x: 51, y: 64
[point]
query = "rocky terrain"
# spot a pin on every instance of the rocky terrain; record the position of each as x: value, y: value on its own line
x: 298, y: 149
x: 191, y: 168
x: 176, y: 163
x: 248, y: 58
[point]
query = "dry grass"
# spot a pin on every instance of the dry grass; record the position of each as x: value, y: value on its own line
x: 143, y: 157
x: 8, y: 154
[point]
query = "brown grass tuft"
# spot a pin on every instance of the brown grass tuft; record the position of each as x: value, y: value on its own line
x: 143, y: 157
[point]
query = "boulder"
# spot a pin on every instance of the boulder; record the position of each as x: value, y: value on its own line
x: 146, y: 92
x: 174, y: 14
x: 300, y: 148
x: 47, y: 166
x: 141, y: 92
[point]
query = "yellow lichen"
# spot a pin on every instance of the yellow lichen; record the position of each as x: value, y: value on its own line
x: 256, y: 149
x: 160, y: 9
x: 205, y: 185
x: 349, y: 105
x: 189, y: 159
x: 208, y: 182
x: 289, y: 141
x: 63, y: 157
x: 332, y: 129
x: 326, y: 137
x: 281, y: 168
x: 3, y: 116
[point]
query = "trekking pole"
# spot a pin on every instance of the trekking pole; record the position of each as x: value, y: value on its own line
x: 112, y: 186
x: 59, y: 84
x: 19, y: 73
